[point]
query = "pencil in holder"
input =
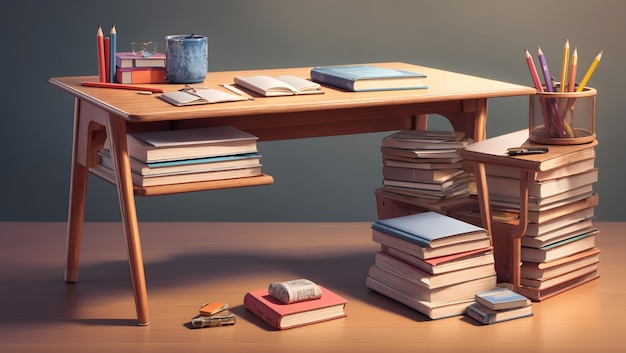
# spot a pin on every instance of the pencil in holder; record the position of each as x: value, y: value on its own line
x: 563, y: 118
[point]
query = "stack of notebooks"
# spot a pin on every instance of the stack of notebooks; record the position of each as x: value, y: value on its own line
x: 425, y: 164
x: 499, y: 304
x: 140, y: 68
x: 187, y: 155
x: 558, y: 248
x: 432, y: 263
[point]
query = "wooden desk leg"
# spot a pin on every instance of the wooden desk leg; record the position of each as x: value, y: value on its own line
x: 76, y: 212
x: 121, y: 163
x: 520, y: 230
x: 472, y: 119
x: 506, y: 238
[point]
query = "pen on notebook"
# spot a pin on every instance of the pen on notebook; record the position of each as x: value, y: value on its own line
x: 100, y: 45
x: 235, y: 90
x: 572, y: 71
x: 544, y: 67
x: 112, y: 50
x: 589, y: 72
x: 533, y: 71
x: 121, y: 86
x: 564, y: 66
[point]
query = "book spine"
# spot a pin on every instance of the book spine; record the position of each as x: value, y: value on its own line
x: 263, y: 312
x: 123, y: 63
x: 478, y: 315
x: 413, y: 238
x: 140, y: 75
x: 334, y: 81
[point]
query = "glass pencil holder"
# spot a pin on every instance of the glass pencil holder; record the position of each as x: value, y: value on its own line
x: 563, y: 118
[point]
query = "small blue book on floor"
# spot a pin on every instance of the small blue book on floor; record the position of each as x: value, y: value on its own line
x: 501, y: 298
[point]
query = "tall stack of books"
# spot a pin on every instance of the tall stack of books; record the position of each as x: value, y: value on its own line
x: 187, y: 155
x: 558, y: 249
x: 425, y: 164
x: 142, y: 66
x: 432, y: 263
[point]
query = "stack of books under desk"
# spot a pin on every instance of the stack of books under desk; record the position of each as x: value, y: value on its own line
x: 422, y: 171
x: 199, y: 155
x: 432, y: 263
x: 558, y: 249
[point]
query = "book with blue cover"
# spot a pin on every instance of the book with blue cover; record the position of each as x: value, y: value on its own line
x: 501, y: 298
x: 430, y: 229
x: 487, y: 316
x: 561, y: 248
x: 358, y: 78
x: 182, y: 166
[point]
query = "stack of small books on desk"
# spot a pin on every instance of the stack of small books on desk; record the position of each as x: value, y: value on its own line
x: 432, y: 263
x: 499, y: 304
x: 187, y: 155
x: 558, y: 249
x: 137, y: 68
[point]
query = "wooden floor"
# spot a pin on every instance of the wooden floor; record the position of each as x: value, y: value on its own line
x: 188, y: 264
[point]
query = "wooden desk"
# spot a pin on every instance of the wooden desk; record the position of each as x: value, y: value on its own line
x: 506, y: 236
x: 101, y: 112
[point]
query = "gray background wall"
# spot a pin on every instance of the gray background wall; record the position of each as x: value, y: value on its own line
x: 321, y: 179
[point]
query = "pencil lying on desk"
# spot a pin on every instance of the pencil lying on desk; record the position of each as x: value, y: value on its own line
x: 121, y: 86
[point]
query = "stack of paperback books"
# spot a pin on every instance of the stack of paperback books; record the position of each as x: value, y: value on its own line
x: 294, y: 303
x: 558, y: 249
x: 425, y: 164
x: 142, y: 66
x: 499, y: 304
x: 187, y: 155
x: 432, y: 263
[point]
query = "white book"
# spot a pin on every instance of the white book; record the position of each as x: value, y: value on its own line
x: 284, y: 85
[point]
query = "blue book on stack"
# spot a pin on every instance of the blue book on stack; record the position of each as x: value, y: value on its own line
x: 358, y: 78
x: 430, y: 229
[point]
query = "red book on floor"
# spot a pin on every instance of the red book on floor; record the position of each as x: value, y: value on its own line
x: 284, y: 316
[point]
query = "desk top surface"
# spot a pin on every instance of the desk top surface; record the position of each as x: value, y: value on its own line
x: 442, y: 86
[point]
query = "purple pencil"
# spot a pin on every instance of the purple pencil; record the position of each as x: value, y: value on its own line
x: 544, y: 67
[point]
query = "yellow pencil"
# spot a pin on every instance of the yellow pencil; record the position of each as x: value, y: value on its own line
x: 593, y: 66
x: 564, y: 65
x: 572, y: 71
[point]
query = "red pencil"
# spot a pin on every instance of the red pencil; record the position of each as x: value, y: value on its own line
x: 107, y: 59
x: 533, y: 72
x: 101, y: 66
x: 121, y: 86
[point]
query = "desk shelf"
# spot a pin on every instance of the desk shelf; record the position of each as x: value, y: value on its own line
x: 391, y: 205
x: 263, y: 179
